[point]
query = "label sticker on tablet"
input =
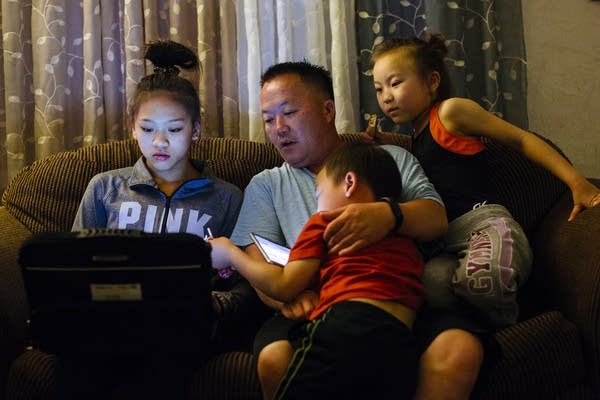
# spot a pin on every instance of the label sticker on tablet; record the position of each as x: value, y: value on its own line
x: 116, y: 291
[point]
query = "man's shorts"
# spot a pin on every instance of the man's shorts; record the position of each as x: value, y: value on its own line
x: 428, y: 325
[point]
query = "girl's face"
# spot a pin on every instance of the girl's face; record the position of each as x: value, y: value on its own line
x: 403, y: 95
x: 164, y: 131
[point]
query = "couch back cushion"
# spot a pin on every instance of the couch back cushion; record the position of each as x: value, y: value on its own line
x: 236, y: 160
x: 45, y: 195
x: 526, y: 189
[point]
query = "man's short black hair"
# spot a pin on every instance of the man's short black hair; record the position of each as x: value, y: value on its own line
x: 309, y: 73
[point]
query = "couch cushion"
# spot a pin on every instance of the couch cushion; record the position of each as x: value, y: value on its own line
x: 396, y: 139
x: 45, y: 195
x: 112, y: 155
x: 541, y: 357
x: 239, y: 172
x: 525, y: 188
x: 211, y: 148
x: 234, y: 160
x: 32, y: 376
x: 227, y: 376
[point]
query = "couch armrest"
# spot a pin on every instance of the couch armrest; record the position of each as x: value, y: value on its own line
x: 13, y: 302
x: 566, y: 273
x: 227, y: 376
x: 541, y: 357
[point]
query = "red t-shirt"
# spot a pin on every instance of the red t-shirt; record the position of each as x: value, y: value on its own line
x: 390, y: 269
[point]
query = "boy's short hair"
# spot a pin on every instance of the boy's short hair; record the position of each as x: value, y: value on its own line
x: 312, y: 74
x: 371, y: 163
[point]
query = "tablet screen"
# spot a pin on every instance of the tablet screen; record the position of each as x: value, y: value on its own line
x: 271, y: 251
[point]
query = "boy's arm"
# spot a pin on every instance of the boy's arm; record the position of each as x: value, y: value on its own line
x: 282, y: 284
x: 466, y: 117
x: 299, y: 308
x: 253, y: 252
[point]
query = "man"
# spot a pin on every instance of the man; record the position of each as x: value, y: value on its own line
x: 298, y: 111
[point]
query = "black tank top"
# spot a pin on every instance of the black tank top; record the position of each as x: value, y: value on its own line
x: 461, y: 180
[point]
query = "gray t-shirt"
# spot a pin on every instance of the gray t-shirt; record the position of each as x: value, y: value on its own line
x: 278, y: 202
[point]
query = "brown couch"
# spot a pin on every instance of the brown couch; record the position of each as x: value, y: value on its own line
x: 554, y: 352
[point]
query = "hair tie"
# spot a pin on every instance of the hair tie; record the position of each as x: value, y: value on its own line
x: 167, y: 70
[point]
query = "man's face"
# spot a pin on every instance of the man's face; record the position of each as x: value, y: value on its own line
x: 295, y: 116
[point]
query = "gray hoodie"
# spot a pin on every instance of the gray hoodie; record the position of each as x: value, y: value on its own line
x: 128, y: 198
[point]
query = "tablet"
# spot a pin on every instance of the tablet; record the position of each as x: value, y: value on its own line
x: 100, y: 292
x: 273, y: 252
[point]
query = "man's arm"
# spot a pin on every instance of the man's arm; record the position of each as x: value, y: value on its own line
x: 358, y: 225
x: 424, y: 219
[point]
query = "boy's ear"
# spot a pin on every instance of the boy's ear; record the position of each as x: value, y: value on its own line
x: 350, y: 183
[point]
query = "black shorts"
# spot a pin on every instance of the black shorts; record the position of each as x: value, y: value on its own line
x: 429, y: 324
x: 353, y: 351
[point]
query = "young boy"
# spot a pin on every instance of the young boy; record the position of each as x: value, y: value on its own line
x: 358, y: 341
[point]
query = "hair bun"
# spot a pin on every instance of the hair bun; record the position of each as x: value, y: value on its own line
x: 437, y: 43
x: 169, y: 56
x: 169, y: 70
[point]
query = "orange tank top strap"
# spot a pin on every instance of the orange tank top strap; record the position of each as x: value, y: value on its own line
x: 450, y: 141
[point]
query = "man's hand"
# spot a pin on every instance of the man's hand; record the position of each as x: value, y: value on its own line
x: 356, y: 226
x: 302, y: 305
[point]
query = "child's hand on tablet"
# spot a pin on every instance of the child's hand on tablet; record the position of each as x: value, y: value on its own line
x: 221, y: 249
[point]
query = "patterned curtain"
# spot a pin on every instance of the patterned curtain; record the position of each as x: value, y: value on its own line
x: 320, y: 31
x: 486, y: 57
x: 68, y: 67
